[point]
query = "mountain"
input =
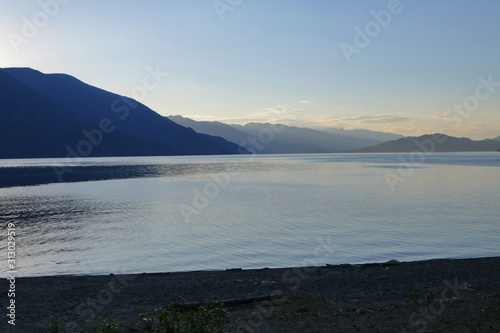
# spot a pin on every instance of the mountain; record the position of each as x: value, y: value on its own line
x: 291, y: 139
x: 288, y: 139
x: 212, y: 128
x: 434, y: 143
x: 497, y: 138
x: 371, y: 136
x: 57, y: 115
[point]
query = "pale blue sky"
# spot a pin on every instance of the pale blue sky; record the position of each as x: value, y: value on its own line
x: 277, y: 60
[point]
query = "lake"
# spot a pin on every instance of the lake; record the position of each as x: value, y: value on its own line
x: 164, y: 214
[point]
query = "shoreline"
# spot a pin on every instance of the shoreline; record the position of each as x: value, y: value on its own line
x: 208, y: 270
x: 452, y: 295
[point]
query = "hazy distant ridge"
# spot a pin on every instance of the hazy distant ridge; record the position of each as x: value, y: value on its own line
x: 289, y: 139
x: 435, y: 143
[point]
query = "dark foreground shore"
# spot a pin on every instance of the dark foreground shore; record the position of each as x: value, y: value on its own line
x: 428, y: 296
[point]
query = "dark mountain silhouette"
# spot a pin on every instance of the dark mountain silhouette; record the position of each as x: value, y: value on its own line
x: 432, y: 143
x: 56, y: 115
x: 288, y: 139
x: 497, y: 138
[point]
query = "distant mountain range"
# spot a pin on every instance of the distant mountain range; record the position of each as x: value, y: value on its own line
x: 434, y: 143
x: 329, y: 140
x: 372, y: 137
x: 56, y: 115
x: 288, y: 139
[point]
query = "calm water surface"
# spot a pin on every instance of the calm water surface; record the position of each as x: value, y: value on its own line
x: 218, y: 212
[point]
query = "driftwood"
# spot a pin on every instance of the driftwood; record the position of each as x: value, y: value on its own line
x: 230, y: 301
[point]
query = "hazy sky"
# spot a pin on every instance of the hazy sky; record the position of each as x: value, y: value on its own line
x: 397, y: 66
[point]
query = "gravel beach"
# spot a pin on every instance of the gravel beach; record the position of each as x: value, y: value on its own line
x: 461, y: 295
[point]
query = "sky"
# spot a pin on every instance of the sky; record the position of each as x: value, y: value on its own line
x: 401, y: 66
